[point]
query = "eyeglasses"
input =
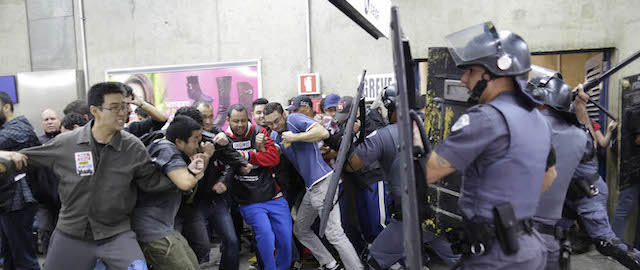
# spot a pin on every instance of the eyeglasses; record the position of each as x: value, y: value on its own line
x: 117, y: 109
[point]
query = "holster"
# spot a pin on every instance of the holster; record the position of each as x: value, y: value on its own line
x: 583, y: 187
x: 560, y: 234
x: 470, y: 238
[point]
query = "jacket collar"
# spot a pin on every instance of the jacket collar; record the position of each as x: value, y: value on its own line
x: 84, y: 136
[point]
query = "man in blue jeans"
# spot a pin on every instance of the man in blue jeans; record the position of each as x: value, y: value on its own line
x: 212, y: 198
x: 626, y: 203
x: 262, y: 205
x: 18, y: 208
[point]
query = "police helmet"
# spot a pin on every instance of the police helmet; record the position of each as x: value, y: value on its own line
x: 502, y: 53
x: 552, y: 91
x: 389, y: 97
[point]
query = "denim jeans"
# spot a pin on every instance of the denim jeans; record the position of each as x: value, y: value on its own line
x: 190, y: 223
x: 218, y: 216
x: 17, y: 238
x: 627, y: 201
x: 312, y: 204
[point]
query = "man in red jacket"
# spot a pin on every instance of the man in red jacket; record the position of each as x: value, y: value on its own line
x: 261, y: 203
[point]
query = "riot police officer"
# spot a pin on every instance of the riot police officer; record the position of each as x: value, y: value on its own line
x: 381, y: 147
x: 568, y: 141
x: 587, y: 200
x: 501, y: 146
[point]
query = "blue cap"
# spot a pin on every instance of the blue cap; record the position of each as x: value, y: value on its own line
x: 331, y: 101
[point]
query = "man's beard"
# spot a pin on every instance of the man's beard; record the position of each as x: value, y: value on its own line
x: 3, y: 118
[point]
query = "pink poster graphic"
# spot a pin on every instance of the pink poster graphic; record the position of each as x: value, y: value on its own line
x: 219, y: 86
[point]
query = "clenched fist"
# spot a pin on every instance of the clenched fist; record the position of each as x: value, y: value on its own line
x: 219, y: 188
x: 288, y: 137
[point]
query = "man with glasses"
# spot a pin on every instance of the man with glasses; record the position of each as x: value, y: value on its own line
x: 297, y: 136
x: 101, y: 169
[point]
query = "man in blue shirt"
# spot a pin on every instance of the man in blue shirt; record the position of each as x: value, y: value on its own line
x: 297, y: 136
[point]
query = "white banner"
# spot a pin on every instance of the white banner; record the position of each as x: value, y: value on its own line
x: 377, y: 12
x: 375, y: 83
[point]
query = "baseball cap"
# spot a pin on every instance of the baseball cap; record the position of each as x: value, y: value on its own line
x: 299, y: 101
x: 331, y: 101
x: 343, y: 108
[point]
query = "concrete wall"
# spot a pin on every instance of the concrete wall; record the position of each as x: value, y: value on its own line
x: 128, y: 33
x: 136, y: 33
x: 14, y: 41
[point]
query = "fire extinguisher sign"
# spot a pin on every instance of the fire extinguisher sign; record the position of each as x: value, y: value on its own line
x: 309, y: 84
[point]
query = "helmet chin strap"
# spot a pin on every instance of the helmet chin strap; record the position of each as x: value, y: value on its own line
x: 477, y: 91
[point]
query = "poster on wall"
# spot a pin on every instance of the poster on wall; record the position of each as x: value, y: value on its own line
x: 172, y: 87
x: 8, y: 85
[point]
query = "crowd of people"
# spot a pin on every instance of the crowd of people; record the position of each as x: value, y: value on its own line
x: 148, y: 194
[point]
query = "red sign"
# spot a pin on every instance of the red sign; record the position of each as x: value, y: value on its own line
x: 309, y: 84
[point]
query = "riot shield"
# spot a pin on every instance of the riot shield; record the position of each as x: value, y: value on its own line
x: 405, y: 94
x: 345, y: 148
x: 630, y: 126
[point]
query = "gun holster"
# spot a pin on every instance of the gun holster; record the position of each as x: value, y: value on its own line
x: 507, y: 228
x: 560, y: 234
x: 583, y: 187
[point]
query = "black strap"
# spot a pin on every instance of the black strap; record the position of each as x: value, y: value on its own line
x: 556, y: 231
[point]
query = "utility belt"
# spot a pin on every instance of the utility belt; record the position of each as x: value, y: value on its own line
x: 477, y: 238
x: 560, y: 234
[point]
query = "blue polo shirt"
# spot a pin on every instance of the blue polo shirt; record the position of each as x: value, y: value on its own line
x: 304, y: 156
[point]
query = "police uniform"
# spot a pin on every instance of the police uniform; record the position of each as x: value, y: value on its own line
x: 592, y: 212
x: 502, y: 149
x: 381, y: 146
x: 568, y: 142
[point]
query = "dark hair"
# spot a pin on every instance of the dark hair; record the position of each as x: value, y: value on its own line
x: 141, y: 112
x: 6, y: 99
x: 201, y: 102
x: 191, y: 112
x: 236, y: 107
x: 71, y: 119
x: 99, y: 90
x: 322, y: 105
x: 259, y: 101
x: 79, y: 106
x: 181, y: 128
x: 273, y: 107
x: 146, y: 85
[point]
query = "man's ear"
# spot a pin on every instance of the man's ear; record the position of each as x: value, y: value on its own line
x: 93, y: 110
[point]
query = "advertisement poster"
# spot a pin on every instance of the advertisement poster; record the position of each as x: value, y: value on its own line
x: 8, y: 85
x: 172, y: 87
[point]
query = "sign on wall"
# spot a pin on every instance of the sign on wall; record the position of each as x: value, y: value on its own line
x: 374, y: 16
x: 374, y: 84
x: 172, y: 87
x: 8, y: 85
x: 309, y: 84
